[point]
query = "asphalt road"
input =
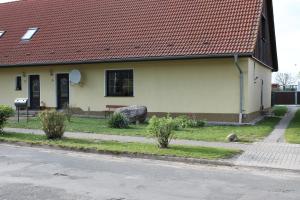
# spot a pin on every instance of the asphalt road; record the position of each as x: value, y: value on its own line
x: 43, y: 174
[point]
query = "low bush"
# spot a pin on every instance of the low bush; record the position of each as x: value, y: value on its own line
x: 68, y: 111
x: 162, y: 130
x: 118, y: 120
x: 280, y: 111
x: 53, y: 123
x: 183, y: 122
x: 5, y: 113
x: 197, y: 123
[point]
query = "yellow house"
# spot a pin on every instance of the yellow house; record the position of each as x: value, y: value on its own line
x: 208, y: 59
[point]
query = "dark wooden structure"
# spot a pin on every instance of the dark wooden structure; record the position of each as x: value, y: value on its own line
x: 265, y: 50
x: 286, y: 98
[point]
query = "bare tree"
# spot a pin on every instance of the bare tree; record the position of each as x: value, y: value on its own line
x: 285, y: 79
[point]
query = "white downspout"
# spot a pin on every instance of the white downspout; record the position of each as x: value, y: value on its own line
x: 236, y: 62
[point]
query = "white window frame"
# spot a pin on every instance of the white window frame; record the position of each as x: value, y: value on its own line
x: 29, y: 34
x: 2, y: 33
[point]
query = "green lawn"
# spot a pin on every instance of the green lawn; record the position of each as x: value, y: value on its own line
x: 117, y: 147
x: 210, y: 133
x: 292, y: 134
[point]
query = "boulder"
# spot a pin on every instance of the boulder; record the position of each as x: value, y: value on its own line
x: 232, y: 138
x: 134, y: 113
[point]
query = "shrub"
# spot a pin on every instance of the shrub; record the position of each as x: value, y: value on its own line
x: 68, y: 112
x: 162, y: 129
x: 280, y: 111
x: 196, y: 123
x: 118, y: 120
x: 183, y: 121
x: 53, y: 123
x: 5, y: 113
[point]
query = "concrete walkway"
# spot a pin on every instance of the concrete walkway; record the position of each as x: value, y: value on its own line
x: 94, y: 136
x: 273, y: 152
x: 277, y: 136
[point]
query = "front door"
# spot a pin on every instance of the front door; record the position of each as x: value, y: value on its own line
x: 34, y: 92
x: 62, y: 90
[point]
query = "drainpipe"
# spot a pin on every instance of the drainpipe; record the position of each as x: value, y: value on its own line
x: 262, y: 96
x: 236, y: 62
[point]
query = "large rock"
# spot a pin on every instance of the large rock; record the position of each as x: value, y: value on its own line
x: 134, y: 113
x: 232, y: 138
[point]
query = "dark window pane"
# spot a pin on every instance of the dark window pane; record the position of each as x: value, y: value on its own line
x: 18, y: 83
x: 36, y: 88
x: 64, y: 87
x: 119, y: 83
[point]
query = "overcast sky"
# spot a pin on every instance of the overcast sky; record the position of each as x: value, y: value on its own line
x: 287, y: 24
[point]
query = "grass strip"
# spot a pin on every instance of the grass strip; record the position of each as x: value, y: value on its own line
x: 292, y: 134
x: 209, y: 133
x: 118, y: 147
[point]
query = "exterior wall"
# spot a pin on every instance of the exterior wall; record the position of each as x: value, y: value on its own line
x: 7, y: 84
x: 208, y: 86
x: 256, y: 74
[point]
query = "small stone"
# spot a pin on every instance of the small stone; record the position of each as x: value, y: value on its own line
x: 232, y: 138
x: 134, y: 113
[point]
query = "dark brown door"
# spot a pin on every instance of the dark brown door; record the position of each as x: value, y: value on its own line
x: 34, y: 91
x: 62, y: 90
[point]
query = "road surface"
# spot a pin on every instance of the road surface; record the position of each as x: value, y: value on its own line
x: 35, y: 173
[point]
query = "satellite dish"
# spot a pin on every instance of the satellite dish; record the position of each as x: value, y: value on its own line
x: 75, y: 76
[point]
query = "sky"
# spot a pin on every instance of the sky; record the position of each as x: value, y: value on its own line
x: 287, y: 25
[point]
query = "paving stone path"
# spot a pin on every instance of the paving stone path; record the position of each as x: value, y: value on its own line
x: 282, y: 156
x: 273, y: 151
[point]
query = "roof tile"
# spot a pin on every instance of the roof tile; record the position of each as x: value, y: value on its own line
x: 94, y: 30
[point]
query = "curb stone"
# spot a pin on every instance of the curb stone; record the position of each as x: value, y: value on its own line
x: 268, y: 168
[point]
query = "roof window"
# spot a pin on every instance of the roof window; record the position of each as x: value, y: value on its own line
x: 29, y: 34
x: 1, y: 33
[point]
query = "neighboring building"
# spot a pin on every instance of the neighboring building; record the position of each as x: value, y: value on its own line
x: 211, y: 59
x: 275, y: 87
x: 280, y: 88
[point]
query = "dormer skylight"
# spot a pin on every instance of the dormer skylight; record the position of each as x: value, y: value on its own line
x: 29, y: 34
x: 1, y: 33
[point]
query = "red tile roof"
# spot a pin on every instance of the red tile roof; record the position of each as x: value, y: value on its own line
x: 104, y: 30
